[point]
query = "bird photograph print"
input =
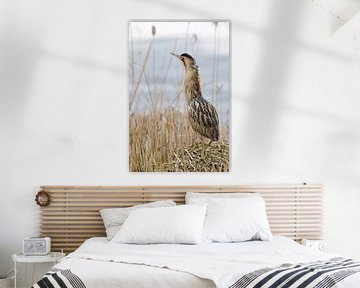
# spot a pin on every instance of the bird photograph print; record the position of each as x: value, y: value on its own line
x: 179, y: 96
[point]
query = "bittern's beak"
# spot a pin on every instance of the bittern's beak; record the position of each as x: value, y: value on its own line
x: 177, y: 56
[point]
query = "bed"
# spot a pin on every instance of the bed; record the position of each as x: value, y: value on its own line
x: 294, y: 213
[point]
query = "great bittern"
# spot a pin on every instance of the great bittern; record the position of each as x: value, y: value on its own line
x: 201, y: 113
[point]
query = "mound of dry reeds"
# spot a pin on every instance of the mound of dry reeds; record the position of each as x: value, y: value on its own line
x: 159, y: 139
x: 200, y: 157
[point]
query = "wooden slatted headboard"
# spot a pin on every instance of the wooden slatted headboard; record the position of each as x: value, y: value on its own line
x: 73, y: 215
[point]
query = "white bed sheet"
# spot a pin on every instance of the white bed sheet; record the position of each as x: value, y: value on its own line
x: 102, y: 274
x: 100, y: 263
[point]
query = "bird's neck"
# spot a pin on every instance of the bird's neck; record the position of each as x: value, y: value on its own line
x: 192, y: 87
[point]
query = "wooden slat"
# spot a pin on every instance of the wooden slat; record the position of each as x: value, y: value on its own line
x: 73, y: 216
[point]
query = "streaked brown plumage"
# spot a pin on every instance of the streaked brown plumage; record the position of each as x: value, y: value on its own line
x: 201, y: 113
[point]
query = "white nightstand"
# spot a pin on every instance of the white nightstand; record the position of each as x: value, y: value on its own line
x: 320, y: 245
x: 53, y: 257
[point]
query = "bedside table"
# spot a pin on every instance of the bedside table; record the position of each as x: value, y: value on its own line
x: 320, y: 245
x: 53, y: 257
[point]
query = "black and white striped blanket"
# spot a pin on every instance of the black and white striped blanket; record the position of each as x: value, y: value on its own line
x: 57, y: 278
x: 320, y: 274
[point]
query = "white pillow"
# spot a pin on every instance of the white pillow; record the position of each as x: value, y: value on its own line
x: 203, y: 198
x: 180, y: 224
x: 113, y: 218
x: 236, y: 220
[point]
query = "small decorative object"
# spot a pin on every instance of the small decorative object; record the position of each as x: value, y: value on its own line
x: 320, y: 245
x: 36, y: 246
x: 42, y: 198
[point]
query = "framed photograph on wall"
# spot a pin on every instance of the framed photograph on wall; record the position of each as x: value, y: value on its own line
x: 179, y: 96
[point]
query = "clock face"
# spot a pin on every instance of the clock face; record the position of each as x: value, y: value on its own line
x: 323, y: 246
x: 40, y: 245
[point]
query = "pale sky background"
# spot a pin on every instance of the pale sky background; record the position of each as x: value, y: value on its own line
x: 142, y: 31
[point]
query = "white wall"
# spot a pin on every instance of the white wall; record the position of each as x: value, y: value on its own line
x: 63, y: 81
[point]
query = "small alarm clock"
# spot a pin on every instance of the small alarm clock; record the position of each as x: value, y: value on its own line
x: 36, y: 246
x: 320, y: 245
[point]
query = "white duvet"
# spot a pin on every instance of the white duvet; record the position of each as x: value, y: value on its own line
x: 100, y: 263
